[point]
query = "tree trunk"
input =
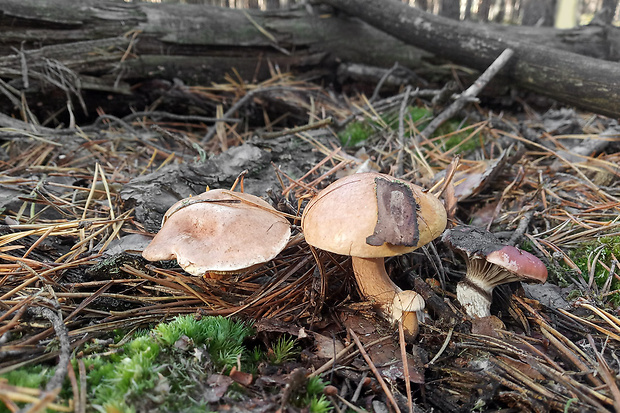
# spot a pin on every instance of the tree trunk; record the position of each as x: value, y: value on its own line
x: 607, y: 12
x: 468, y: 5
x: 422, y: 5
x: 566, y: 14
x: 501, y: 12
x: 512, y: 11
x: 592, y: 84
x: 451, y: 9
x: 540, y: 13
x: 483, y: 10
x: 196, y: 43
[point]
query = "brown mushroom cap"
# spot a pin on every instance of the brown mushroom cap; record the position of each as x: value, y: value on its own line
x: 395, y: 215
x: 219, y: 231
x: 370, y: 216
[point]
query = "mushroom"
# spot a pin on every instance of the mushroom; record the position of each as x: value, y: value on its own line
x: 370, y: 216
x: 489, y: 263
x: 219, y: 231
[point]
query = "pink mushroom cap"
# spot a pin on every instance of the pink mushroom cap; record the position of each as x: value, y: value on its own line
x: 525, y: 266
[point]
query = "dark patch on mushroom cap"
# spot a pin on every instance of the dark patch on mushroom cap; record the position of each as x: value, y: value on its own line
x: 397, y: 218
x: 471, y: 242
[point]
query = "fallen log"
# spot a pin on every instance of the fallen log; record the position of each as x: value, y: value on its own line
x: 198, y: 44
x: 113, y: 45
x: 592, y: 84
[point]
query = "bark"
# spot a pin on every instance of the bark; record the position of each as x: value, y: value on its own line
x: 538, y: 13
x: 592, y: 84
x: 566, y: 14
x: 483, y: 10
x: 111, y: 45
x: 451, y: 9
x: 607, y: 12
x: 501, y: 12
x: 422, y: 4
x: 468, y: 5
x: 196, y: 43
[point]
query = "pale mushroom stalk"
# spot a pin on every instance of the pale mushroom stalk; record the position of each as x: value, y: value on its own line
x: 395, y: 304
x: 475, y: 292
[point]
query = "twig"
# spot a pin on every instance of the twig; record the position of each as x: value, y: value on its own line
x: 384, y: 104
x: 403, y: 355
x: 303, y: 128
x: 83, y: 384
x: 606, y: 374
x: 240, y: 103
x: 74, y: 388
x: 466, y: 96
x: 350, y: 405
x: 571, y: 165
x: 443, y: 346
x: 521, y: 228
x: 54, y: 385
x: 401, y: 132
x: 375, y: 93
x: 360, y: 386
x: 341, y: 353
x: 435, y: 303
x: 157, y: 114
x: 374, y: 370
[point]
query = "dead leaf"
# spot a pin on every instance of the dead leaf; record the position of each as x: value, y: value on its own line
x: 243, y: 378
x: 385, y: 355
x: 217, y: 387
x: 487, y: 326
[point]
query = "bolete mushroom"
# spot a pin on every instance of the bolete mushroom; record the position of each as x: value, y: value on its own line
x: 489, y: 264
x: 370, y: 216
x: 219, y: 231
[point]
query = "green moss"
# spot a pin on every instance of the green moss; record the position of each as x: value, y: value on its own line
x: 166, y: 368
x: 34, y: 377
x: 314, y: 399
x: 603, y: 250
x: 283, y: 349
x: 154, y: 369
x: 455, y: 137
x: 354, y: 133
x: 359, y: 131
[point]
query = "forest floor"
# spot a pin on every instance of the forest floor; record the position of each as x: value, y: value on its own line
x: 80, y: 309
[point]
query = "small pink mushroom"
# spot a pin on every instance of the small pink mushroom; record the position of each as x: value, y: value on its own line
x: 489, y: 264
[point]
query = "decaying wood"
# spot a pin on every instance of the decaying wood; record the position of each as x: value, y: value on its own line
x: 592, y: 84
x: 110, y: 45
x: 195, y: 43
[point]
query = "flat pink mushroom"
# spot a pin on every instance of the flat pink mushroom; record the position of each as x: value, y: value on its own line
x: 219, y: 231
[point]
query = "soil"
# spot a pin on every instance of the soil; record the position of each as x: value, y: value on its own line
x: 79, y: 206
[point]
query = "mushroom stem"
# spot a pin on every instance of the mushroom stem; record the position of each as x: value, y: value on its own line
x: 474, y: 297
x: 395, y: 304
x: 410, y: 324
